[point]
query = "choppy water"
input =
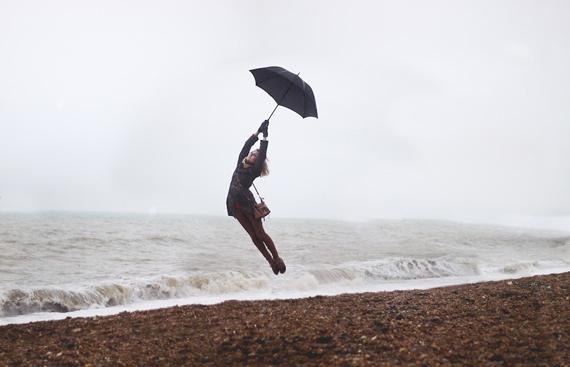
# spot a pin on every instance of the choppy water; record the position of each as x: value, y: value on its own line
x: 60, y: 262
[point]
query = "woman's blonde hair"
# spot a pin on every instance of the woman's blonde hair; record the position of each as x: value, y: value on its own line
x: 264, y: 166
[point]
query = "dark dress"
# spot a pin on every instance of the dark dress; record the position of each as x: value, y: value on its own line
x: 242, y: 178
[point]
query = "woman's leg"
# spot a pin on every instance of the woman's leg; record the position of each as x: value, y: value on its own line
x: 247, y: 225
x: 260, y: 233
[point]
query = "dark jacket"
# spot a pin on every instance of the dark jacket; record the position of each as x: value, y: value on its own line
x: 243, y: 177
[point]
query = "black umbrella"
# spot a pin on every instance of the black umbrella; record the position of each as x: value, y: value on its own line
x: 287, y: 89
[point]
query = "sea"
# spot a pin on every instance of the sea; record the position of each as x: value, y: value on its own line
x: 55, y: 265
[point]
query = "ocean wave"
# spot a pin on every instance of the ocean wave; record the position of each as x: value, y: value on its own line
x: 19, y: 301
x: 396, y: 269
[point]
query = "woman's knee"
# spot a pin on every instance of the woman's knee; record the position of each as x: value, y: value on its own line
x: 246, y: 225
x: 255, y: 238
x: 253, y: 235
x: 259, y: 231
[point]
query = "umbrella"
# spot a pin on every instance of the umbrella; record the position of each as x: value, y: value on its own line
x: 287, y: 89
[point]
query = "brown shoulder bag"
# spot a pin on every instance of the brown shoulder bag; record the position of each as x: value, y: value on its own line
x: 260, y: 210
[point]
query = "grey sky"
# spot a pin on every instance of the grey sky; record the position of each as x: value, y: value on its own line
x: 427, y: 108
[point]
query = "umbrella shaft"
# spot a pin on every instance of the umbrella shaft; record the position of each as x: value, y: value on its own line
x: 269, y: 118
x: 282, y: 98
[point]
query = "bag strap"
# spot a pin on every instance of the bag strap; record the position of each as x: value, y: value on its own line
x: 260, y: 198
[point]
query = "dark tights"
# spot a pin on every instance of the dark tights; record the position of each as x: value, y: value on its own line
x: 260, y: 238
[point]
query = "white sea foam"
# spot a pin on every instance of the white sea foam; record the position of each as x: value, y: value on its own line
x: 71, y: 265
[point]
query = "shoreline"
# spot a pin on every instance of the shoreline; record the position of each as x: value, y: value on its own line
x: 520, y: 321
x: 387, y: 286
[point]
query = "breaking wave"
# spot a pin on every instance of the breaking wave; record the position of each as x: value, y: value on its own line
x: 396, y: 269
x: 19, y: 301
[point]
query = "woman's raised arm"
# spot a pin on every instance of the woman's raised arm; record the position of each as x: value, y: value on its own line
x: 246, y: 147
x: 250, y: 141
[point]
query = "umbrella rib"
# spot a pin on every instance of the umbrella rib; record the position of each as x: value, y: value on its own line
x: 304, y: 97
x: 274, y: 75
x: 268, y: 79
x: 304, y: 105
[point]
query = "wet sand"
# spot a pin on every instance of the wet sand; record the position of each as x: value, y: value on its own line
x: 519, y: 322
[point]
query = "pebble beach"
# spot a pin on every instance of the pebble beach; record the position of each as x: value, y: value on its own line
x: 524, y: 321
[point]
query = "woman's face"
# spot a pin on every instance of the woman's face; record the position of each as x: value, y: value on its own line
x: 252, y: 156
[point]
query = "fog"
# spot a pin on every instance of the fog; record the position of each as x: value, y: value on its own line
x: 439, y: 109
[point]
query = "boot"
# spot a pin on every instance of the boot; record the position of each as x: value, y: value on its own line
x: 280, y: 265
x: 274, y: 266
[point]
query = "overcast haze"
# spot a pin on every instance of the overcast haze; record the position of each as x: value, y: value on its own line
x: 432, y: 109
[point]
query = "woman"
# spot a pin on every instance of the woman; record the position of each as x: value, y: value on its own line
x: 240, y: 201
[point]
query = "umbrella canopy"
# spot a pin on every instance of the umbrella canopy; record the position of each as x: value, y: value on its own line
x: 287, y: 89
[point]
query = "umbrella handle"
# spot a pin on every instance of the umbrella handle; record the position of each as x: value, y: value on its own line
x: 282, y: 98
